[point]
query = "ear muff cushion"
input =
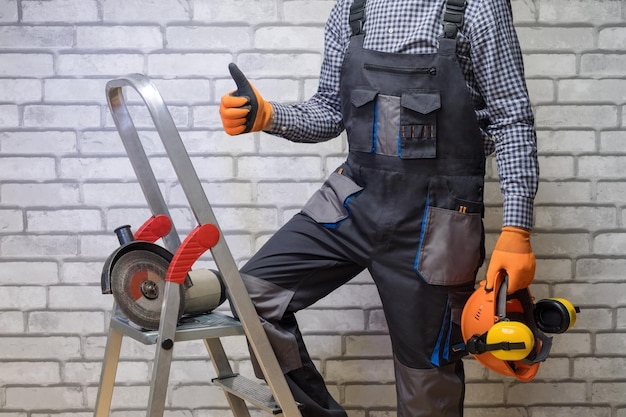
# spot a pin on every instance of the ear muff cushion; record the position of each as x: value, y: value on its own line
x: 511, y: 332
x: 554, y: 315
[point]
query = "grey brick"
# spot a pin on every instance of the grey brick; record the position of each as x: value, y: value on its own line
x: 20, y: 90
x: 603, y: 392
x: 43, y: 398
x: 63, y: 220
x: 602, y: 166
x: 48, y: 322
x: 543, y: 393
x: 38, y: 143
x: 289, y: 37
x: 146, y: 11
x: 553, y: 65
x: 26, y: 65
x: 555, y: 38
x: 595, y: 64
x: 579, y: 217
x: 579, y: 11
x: 569, y: 411
x: 22, y: 373
x: 38, y: 245
x: 208, y: 38
x: 347, y: 370
x: 187, y: 64
x: 25, y: 37
x: 8, y: 10
x: 565, y: 116
x: 584, y: 90
x: 60, y: 11
x: 119, y: 37
x: 68, y: 116
x: 244, y: 11
x: 29, y: 273
x: 30, y: 348
x: 9, y: 115
x: 575, y: 141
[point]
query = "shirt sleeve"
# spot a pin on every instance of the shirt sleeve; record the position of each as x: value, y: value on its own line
x: 319, y: 118
x: 498, y: 68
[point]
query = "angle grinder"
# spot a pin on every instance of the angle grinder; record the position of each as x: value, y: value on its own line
x: 136, y: 274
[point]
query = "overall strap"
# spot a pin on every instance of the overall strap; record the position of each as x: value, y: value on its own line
x: 453, y: 18
x: 357, y: 17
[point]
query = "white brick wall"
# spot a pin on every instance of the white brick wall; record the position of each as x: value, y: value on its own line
x: 66, y: 183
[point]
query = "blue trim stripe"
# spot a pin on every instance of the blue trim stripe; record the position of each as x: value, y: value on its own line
x: 446, y: 347
x: 375, y: 132
x: 345, y: 204
x: 422, y: 232
x: 399, y: 143
x: 434, y: 358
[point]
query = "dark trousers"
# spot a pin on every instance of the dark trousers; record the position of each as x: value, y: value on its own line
x: 305, y: 261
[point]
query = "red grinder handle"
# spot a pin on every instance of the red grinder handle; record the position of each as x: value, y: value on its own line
x: 201, y: 239
x: 154, y: 228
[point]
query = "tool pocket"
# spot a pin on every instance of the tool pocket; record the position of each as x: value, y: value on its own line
x: 360, y: 123
x: 451, y: 247
x: 418, y: 124
x: 329, y: 205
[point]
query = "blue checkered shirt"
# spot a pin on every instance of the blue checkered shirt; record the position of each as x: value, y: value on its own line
x: 491, y: 60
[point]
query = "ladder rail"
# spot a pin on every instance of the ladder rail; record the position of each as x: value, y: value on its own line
x: 134, y: 148
x: 109, y: 370
x: 203, y: 212
x: 164, y: 350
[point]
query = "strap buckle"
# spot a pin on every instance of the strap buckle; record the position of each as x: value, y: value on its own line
x: 357, y: 17
x: 453, y: 18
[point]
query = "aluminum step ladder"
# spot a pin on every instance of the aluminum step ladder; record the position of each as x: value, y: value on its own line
x: 274, y: 396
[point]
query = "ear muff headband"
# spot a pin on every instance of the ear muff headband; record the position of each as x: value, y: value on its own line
x: 555, y: 315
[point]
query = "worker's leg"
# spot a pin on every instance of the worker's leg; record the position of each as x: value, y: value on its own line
x: 424, y: 326
x: 300, y: 264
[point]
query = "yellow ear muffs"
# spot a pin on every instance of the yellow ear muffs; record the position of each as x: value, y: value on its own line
x: 555, y: 315
x: 510, y: 340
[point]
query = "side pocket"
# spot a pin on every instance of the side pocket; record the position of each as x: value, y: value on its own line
x: 451, y: 247
x: 418, y: 124
x: 360, y: 124
x: 449, y: 252
x: 329, y: 205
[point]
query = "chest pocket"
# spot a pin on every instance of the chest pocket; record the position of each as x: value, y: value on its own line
x: 404, y: 126
x: 360, y: 120
x: 417, y: 136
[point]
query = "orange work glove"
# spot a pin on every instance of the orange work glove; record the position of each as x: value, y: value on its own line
x: 244, y: 110
x: 514, y: 257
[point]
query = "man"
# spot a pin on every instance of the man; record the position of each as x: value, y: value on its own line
x: 425, y: 89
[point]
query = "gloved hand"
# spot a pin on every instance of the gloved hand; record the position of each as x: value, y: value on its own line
x: 514, y: 257
x: 244, y: 110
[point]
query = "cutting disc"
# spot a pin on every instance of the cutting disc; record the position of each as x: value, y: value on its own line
x: 138, y: 285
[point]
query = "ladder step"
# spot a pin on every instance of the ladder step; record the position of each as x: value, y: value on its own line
x: 203, y: 326
x: 248, y: 390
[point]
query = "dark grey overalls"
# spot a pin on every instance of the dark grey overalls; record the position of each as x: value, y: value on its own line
x: 407, y: 205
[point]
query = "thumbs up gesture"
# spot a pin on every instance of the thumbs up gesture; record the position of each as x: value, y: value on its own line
x: 244, y: 110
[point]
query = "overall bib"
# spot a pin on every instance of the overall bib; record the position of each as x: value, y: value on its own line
x: 407, y: 205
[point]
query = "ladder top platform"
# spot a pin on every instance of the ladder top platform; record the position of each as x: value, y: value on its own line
x: 203, y: 326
